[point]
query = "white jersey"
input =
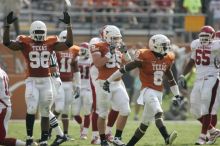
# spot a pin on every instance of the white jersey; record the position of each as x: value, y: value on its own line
x: 84, y: 67
x: 4, y: 90
x: 204, y: 56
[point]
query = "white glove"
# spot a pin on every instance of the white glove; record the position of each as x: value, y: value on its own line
x: 57, y: 82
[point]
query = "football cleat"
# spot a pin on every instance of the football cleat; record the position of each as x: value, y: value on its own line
x: 213, y: 136
x: 201, y: 140
x: 59, y: 140
x: 169, y: 140
x: 43, y: 143
x: 83, y: 136
x: 30, y: 142
x: 96, y: 140
x: 69, y: 138
x: 109, y: 137
x: 104, y: 143
x: 117, y: 142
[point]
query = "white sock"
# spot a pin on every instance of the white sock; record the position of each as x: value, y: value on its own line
x: 95, y: 134
x: 108, y: 130
x: 85, y: 131
x: 212, y: 130
x: 58, y: 131
x: 20, y: 143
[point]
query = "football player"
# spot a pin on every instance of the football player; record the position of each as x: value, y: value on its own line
x: 56, y: 82
x: 5, y: 112
x: 69, y: 72
x: 112, y: 116
x: 107, y: 57
x: 85, y: 100
x: 93, y: 76
x: 37, y: 49
x: 204, y: 98
x: 153, y: 64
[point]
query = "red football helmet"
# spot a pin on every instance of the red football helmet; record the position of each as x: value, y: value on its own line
x: 206, y: 35
x: 84, y: 50
x: 217, y: 35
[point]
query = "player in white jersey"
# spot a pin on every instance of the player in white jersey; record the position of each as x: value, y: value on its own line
x: 112, y: 116
x: 85, y: 101
x: 205, y: 92
x: 5, y: 112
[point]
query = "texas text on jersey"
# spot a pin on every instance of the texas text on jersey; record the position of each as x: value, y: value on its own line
x: 65, y: 60
x: 152, y: 69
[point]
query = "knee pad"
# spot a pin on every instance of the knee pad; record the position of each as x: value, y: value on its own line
x: 59, y: 108
x: 196, y: 112
x: 103, y: 114
x: 32, y: 109
x: 87, y: 109
x: 45, y: 111
x: 125, y: 111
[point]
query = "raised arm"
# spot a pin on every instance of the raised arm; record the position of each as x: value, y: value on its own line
x: 69, y: 38
x: 6, y: 35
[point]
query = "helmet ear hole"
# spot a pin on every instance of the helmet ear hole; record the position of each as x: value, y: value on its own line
x: 206, y: 35
x: 159, y: 44
x: 112, y: 35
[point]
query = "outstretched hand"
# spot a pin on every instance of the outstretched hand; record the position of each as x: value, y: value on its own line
x: 66, y: 18
x: 10, y: 18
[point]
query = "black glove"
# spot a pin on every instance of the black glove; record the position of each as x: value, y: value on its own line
x: 10, y: 18
x: 123, y: 48
x: 77, y: 92
x: 112, y: 49
x: 66, y: 18
x: 182, y: 82
x: 106, y: 86
x: 177, y: 100
x: 217, y: 62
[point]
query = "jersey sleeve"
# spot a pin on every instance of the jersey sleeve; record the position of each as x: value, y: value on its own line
x: 138, y: 56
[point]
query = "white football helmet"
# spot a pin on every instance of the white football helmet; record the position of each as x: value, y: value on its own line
x: 84, y: 50
x: 159, y: 43
x: 62, y: 36
x: 38, y: 31
x: 206, y: 35
x: 94, y: 41
x: 112, y: 35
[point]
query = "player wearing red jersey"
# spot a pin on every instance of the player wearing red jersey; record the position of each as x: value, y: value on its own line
x: 36, y: 50
x: 68, y: 71
x: 153, y: 64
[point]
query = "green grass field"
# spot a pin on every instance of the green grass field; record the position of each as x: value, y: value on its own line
x: 187, y: 133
